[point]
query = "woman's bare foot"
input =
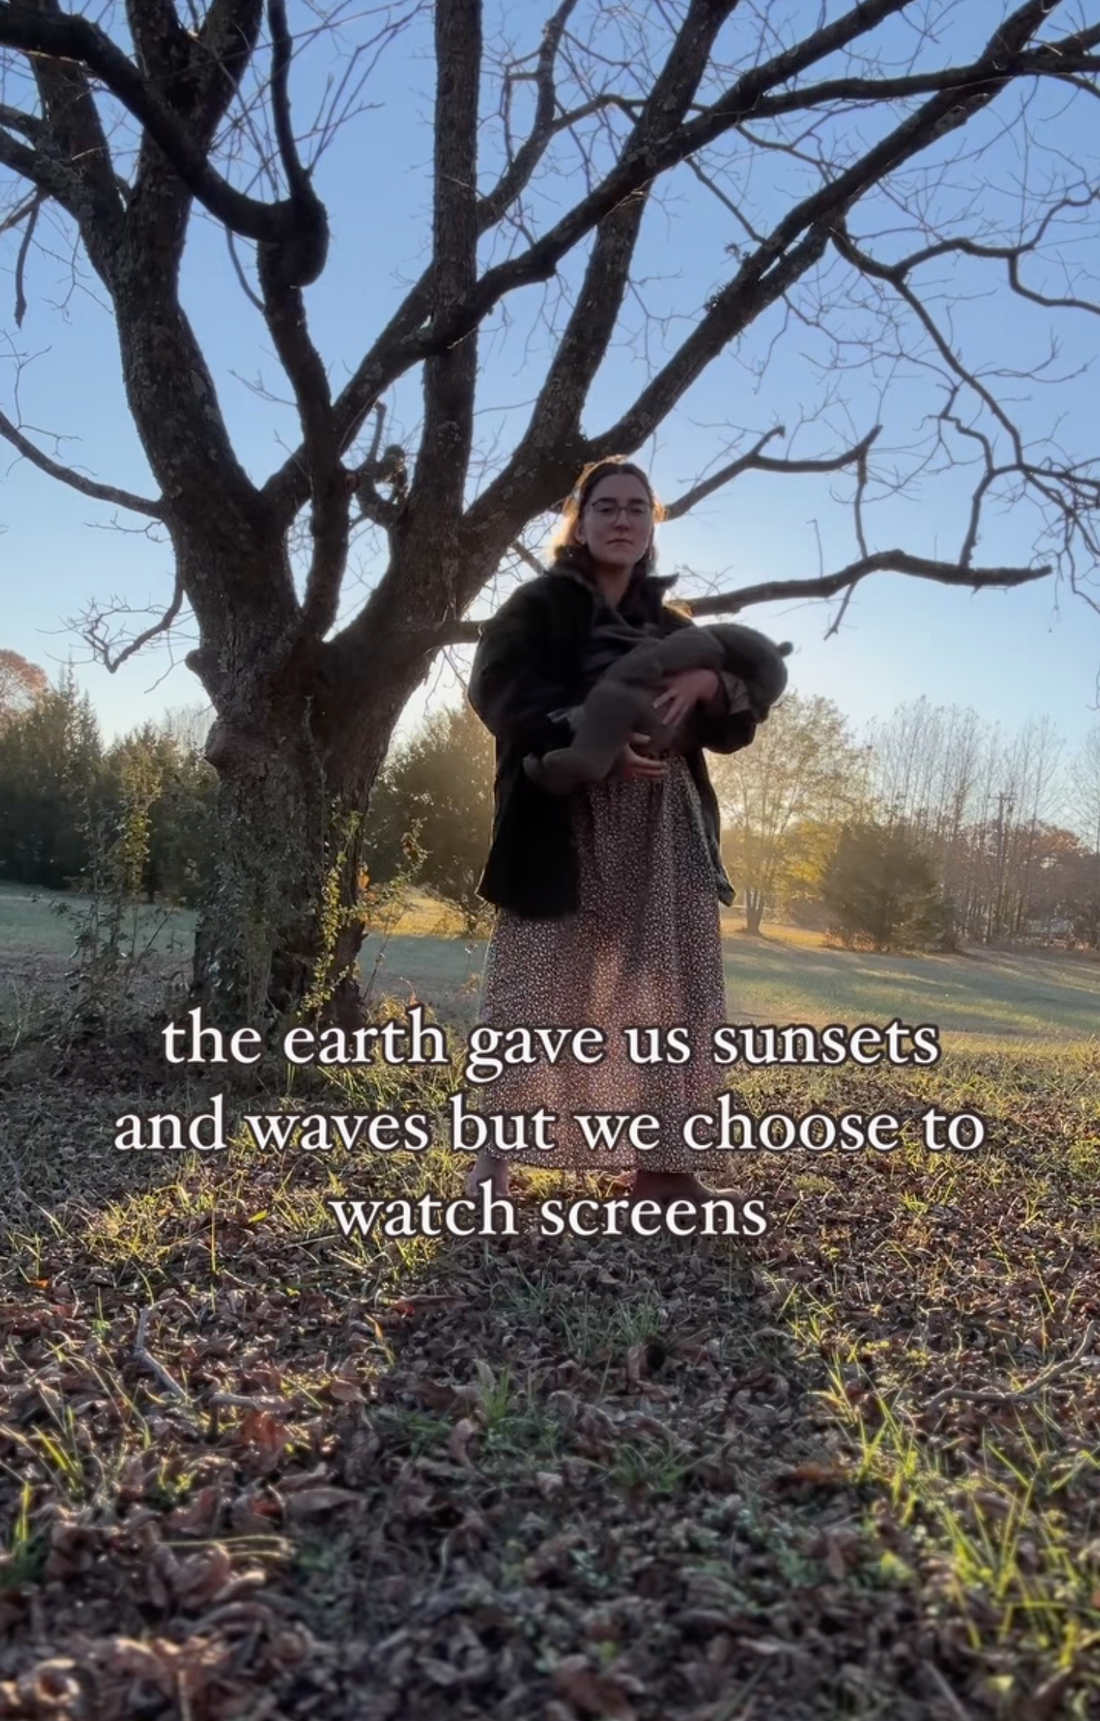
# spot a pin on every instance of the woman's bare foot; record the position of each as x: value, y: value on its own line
x: 486, y: 1166
x: 666, y: 1186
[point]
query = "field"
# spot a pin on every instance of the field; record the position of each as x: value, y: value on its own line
x: 851, y: 1468
x: 787, y: 976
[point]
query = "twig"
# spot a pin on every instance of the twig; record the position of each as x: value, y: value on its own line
x: 742, y: 1705
x: 956, y: 1707
x: 150, y: 1361
x: 21, y: 261
x: 245, y: 1401
x: 986, y: 1395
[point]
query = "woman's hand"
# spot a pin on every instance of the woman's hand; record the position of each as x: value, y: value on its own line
x: 631, y: 764
x: 683, y: 692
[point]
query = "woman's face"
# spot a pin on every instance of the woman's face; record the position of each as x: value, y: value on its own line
x: 617, y: 521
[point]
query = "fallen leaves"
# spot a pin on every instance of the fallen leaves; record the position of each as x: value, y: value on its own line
x: 314, y: 1502
x: 591, y: 1692
x: 574, y: 1483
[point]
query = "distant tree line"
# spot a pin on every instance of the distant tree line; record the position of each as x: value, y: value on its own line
x: 68, y: 801
x: 936, y: 830
x: 933, y: 829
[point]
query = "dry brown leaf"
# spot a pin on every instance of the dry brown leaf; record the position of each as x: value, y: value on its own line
x: 311, y: 1502
x: 813, y: 1476
x: 139, y: 1661
x: 199, y: 1577
x: 262, y: 1429
x: 459, y: 1442
x: 254, y: 1514
x: 200, y: 1516
x: 435, y: 1394
x: 346, y: 1392
x: 593, y: 1693
x: 305, y: 1479
x: 637, y: 1368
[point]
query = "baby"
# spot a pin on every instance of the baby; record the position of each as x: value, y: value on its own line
x: 622, y: 699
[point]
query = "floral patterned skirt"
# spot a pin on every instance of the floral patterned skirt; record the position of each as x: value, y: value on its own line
x: 643, y: 949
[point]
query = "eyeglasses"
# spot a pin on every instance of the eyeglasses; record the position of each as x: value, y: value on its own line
x: 605, y: 509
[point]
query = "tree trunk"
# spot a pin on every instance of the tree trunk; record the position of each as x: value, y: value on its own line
x: 280, y: 925
x: 754, y: 909
x: 256, y: 943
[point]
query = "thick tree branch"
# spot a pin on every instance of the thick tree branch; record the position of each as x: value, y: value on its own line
x: 162, y: 47
x: 410, y: 338
x: 880, y: 562
x: 822, y: 586
x: 450, y: 375
x: 297, y: 259
x: 799, y: 241
x: 296, y: 227
x: 587, y: 335
x: 39, y: 169
x: 15, y: 120
x: 75, y: 480
x: 73, y: 132
x: 285, y: 313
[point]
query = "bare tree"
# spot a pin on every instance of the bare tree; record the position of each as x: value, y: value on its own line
x: 1084, y: 777
x: 784, y: 798
x: 981, y: 805
x: 825, y: 146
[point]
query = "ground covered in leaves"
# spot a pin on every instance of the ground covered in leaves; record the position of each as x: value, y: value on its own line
x: 852, y: 1468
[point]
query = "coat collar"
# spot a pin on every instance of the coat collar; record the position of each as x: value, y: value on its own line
x: 644, y: 595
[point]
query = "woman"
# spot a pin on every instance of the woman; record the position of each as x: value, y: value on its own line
x: 608, y: 897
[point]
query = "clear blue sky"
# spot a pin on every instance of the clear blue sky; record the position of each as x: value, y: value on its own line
x: 1010, y: 655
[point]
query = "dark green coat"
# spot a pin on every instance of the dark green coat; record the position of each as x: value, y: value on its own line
x: 528, y: 663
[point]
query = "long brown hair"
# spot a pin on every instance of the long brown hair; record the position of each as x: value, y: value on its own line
x: 564, y: 549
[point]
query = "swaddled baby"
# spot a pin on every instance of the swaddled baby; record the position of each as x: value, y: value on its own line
x: 622, y: 699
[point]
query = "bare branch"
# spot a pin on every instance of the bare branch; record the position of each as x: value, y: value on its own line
x: 409, y: 338
x: 50, y: 176
x: 824, y: 586
x: 525, y: 555
x: 75, y: 480
x: 450, y: 375
x: 20, y: 213
x: 881, y: 562
x: 21, y: 259
x: 756, y: 461
x: 30, y: 126
x: 92, y: 629
x: 522, y: 166
x: 296, y: 228
x: 238, y: 267
x: 391, y: 468
x: 284, y: 310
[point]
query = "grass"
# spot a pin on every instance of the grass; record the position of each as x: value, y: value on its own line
x: 788, y: 975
